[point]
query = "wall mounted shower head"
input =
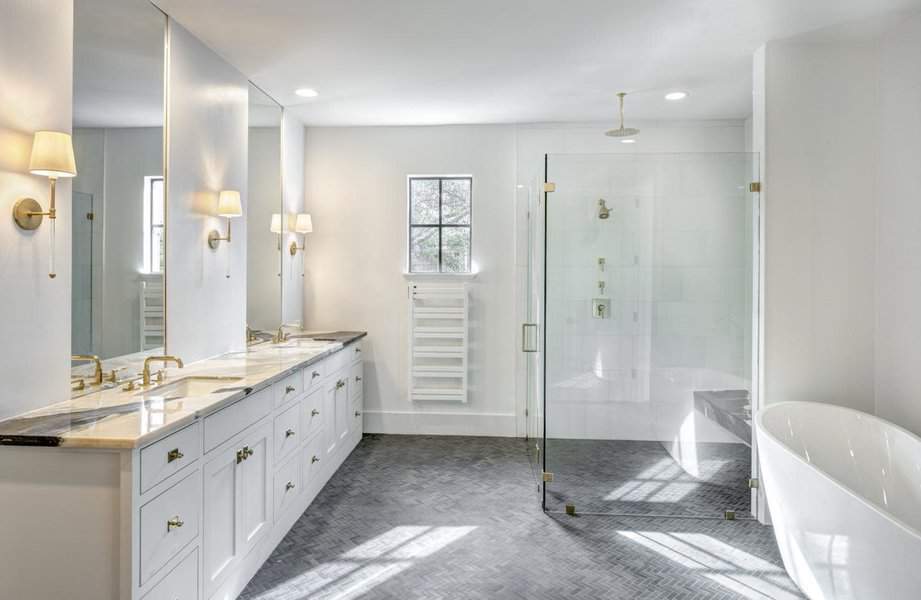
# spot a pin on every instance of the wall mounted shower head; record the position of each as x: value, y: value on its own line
x: 603, y: 211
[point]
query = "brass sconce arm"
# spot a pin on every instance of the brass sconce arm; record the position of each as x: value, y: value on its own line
x: 215, y: 237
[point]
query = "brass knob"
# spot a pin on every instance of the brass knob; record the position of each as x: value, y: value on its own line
x: 314, y: 412
x: 314, y: 459
x: 289, y: 389
x: 289, y: 433
x: 357, y: 378
x: 248, y: 451
x: 174, y: 523
x: 340, y: 384
x: 289, y: 486
x: 173, y: 454
x: 315, y: 375
x: 357, y: 413
x: 241, y: 456
x: 357, y: 350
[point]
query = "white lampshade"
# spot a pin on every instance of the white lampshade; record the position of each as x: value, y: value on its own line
x: 228, y: 204
x: 303, y: 224
x: 275, y: 227
x: 52, y: 155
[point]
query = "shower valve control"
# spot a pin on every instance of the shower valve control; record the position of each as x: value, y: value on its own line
x: 601, y: 308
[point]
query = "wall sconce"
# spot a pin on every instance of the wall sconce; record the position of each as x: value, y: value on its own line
x: 228, y: 205
x: 52, y: 157
x: 303, y: 224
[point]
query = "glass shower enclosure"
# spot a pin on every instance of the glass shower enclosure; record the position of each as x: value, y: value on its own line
x: 642, y: 391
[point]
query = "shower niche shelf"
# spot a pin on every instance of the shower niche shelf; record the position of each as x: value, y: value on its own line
x: 438, y: 341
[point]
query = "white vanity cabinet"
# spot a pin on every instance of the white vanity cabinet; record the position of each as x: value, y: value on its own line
x: 198, y: 510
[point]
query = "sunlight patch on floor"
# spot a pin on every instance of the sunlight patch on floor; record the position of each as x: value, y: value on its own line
x: 736, y: 570
x: 360, y: 569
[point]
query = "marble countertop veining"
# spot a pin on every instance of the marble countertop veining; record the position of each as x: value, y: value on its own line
x: 118, y: 419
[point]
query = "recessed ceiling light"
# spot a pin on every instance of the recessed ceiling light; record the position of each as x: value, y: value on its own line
x: 676, y: 95
x: 307, y: 92
x: 628, y: 141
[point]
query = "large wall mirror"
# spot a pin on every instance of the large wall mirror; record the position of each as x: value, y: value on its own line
x: 118, y: 236
x: 267, y: 224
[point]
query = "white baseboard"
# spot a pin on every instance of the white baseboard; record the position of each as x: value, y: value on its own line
x: 440, y: 423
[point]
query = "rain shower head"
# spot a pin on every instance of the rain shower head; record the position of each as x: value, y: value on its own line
x: 622, y: 132
x: 603, y: 211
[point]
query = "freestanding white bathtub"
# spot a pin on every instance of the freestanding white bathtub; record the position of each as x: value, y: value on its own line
x: 844, y: 491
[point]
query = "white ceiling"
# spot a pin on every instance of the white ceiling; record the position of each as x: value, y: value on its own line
x: 499, y: 61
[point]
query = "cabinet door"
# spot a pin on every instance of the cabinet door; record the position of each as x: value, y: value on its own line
x: 220, y: 534
x: 343, y: 406
x: 256, y: 487
x: 329, y: 417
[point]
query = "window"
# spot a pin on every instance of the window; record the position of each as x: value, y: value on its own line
x: 154, y: 212
x: 439, y: 224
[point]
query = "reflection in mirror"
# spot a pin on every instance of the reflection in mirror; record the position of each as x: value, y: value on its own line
x: 266, y: 223
x: 118, y: 196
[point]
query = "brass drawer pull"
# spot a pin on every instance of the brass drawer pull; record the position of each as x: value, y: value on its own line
x: 289, y: 433
x: 289, y: 486
x: 244, y: 453
x: 174, y: 523
x: 314, y: 412
x: 357, y: 350
x: 357, y: 378
x: 173, y: 454
x: 289, y: 389
x: 340, y: 384
x: 357, y: 413
x: 314, y: 459
x: 315, y: 375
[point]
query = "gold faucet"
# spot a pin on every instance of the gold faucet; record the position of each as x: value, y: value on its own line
x: 280, y: 336
x: 97, y: 376
x: 164, y: 359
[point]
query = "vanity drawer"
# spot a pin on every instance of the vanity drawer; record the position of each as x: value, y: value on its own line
x: 356, y: 377
x: 354, y: 350
x: 161, y: 459
x: 313, y: 462
x: 313, y: 375
x: 181, y: 583
x: 288, y: 388
x: 227, y: 422
x: 311, y: 411
x: 287, y: 485
x: 287, y: 431
x: 168, y: 523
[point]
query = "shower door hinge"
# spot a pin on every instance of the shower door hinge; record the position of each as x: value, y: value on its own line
x: 754, y: 186
x: 547, y: 477
x: 753, y: 484
x: 549, y: 187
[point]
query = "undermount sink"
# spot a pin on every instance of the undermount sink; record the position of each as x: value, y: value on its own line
x: 195, y: 385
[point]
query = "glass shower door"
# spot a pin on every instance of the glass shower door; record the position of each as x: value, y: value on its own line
x: 650, y: 273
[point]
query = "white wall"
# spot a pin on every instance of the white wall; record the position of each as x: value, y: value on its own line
x: 898, y: 294
x: 293, y: 142
x: 35, y: 93
x: 356, y: 192
x: 207, y: 120
x: 820, y: 132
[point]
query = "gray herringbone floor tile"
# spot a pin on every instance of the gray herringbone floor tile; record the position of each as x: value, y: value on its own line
x: 448, y: 518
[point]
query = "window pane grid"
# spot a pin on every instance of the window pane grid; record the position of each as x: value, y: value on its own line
x: 453, y: 226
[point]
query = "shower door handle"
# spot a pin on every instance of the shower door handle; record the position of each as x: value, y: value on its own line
x: 525, y: 338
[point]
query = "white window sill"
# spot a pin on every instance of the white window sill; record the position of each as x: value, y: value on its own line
x: 440, y: 276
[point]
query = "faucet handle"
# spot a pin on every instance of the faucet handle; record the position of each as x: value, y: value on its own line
x: 112, y: 377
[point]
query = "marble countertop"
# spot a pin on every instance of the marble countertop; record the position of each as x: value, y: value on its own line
x: 117, y: 419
